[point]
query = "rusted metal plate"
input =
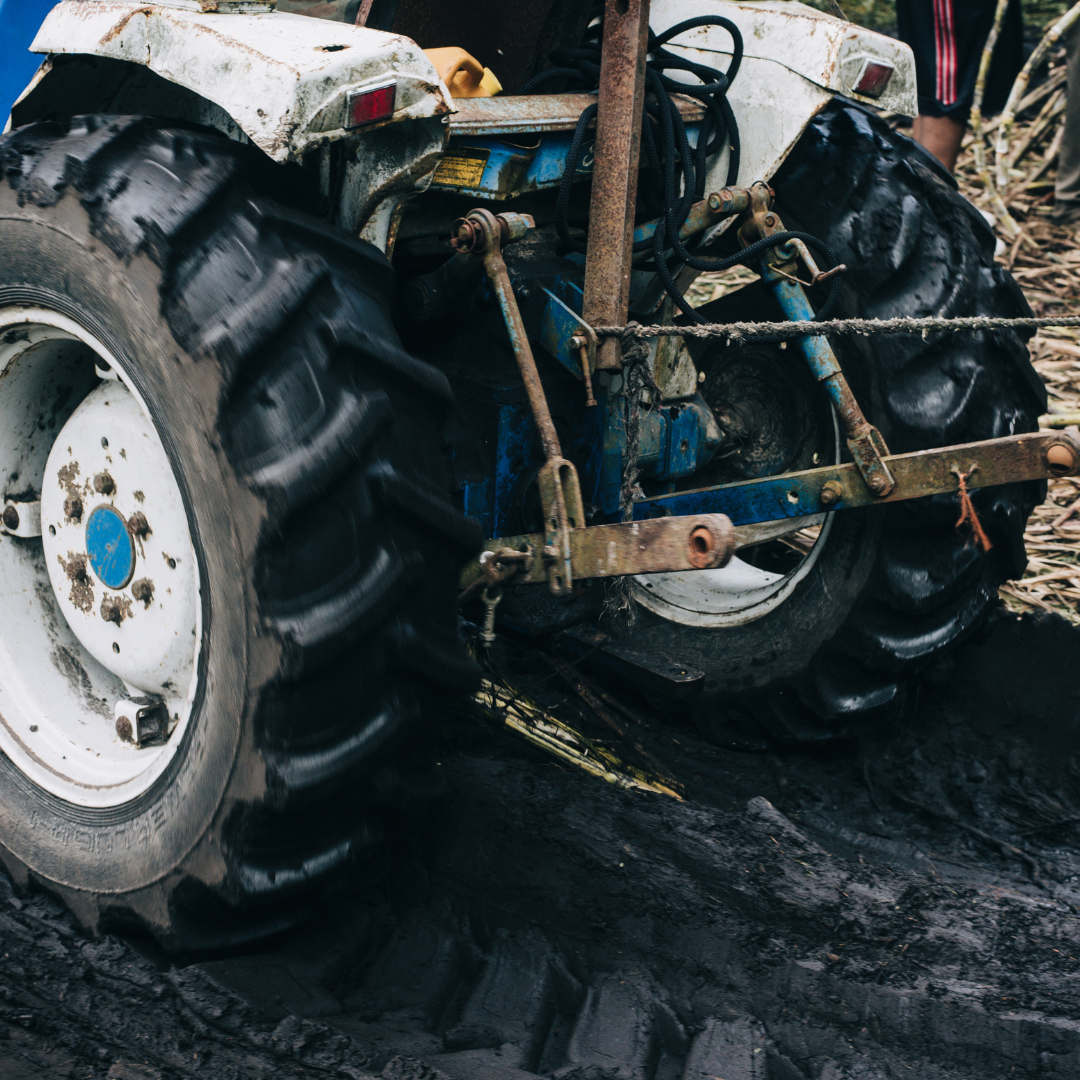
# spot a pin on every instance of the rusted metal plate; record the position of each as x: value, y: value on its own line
x: 615, y: 173
x: 537, y: 113
x: 696, y: 542
x: 927, y: 472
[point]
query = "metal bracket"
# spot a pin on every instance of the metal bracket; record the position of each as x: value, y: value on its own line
x: 21, y: 518
x: 575, y: 350
x: 657, y: 546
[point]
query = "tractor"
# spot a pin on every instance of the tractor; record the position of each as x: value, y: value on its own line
x: 323, y: 324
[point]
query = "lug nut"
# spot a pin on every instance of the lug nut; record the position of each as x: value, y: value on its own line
x: 1060, y: 457
x: 143, y: 590
x: 138, y: 525
x: 73, y: 508
x: 10, y: 518
x: 831, y: 493
x: 104, y: 484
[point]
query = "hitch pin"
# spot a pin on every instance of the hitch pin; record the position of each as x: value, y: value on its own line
x: 579, y: 343
x: 817, y: 276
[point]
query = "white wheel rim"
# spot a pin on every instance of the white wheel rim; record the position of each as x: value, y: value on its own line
x: 737, y: 593
x: 76, y: 650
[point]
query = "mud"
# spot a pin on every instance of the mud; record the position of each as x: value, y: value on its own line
x: 906, y: 906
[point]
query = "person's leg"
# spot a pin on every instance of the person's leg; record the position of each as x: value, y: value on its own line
x: 1067, y: 188
x: 941, y: 135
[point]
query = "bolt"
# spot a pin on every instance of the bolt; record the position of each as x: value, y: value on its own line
x: 878, y: 484
x: 111, y: 611
x: 104, y: 484
x: 10, y: 518
x: 124, y: 729
x: 831, y: 493
x: 73, y: 508
x: 770, y: 219
x: 138, y: 525
x: 1060, y: 458
x: 143, y: 590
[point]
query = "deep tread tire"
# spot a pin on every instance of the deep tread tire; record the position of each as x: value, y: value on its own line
x: 306, y: 442
x: 899, y: 586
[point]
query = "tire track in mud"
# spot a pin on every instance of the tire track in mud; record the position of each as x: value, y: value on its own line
x: 778, y: 927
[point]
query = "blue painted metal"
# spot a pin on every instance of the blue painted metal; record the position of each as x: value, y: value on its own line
x: 817, y: 350
x: 746, y: 503
x: 19, y: 22
x: 511, y: 169
x: 110, y: 547
x: 558, y: 324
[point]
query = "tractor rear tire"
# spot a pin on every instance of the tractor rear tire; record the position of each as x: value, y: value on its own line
x: 305, y: 443
x: 894, y: 588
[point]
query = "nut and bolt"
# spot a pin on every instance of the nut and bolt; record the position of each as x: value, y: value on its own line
x: 1060, y: 458
x: 10, y: 518
x: 138, y: 526
x: 831, y: 493
x: 770, y: 220
x: 143, y: 590
x: 73, y: 508
x: 124, y: 729
x: 104, y: 484
x: 877, y: 484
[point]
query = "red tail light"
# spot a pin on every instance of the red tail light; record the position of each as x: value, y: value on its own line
x: 371, y: 104
x: 874, y: 78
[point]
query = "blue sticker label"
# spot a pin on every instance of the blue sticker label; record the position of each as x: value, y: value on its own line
x: 109, y: 545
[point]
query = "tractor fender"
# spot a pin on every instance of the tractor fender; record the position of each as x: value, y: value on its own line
x: 796, y: 60
x: 284, y: 80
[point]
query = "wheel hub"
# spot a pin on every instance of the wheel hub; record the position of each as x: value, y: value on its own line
x: 116, y: 543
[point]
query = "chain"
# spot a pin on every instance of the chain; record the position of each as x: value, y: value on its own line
x: 737, y: 332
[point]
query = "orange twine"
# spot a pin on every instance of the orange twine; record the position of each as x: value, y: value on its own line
x: 967, y: 510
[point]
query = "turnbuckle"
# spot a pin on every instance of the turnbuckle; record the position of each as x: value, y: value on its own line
x: 482, y: 233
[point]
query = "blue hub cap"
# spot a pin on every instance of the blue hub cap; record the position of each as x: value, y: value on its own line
x: 109, y: 545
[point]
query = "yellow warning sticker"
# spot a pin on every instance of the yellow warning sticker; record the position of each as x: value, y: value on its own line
x: 463, y: 169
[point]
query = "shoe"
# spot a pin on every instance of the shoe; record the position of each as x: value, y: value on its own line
x: 1065, y: 213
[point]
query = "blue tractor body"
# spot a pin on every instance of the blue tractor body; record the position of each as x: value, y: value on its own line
x: 19, y: 22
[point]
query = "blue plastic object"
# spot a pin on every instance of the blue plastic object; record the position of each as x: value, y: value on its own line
x: 19, y: 22
x: 109, y: 545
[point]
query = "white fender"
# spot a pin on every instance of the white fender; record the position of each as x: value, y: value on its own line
x: 284, y: 79
x: 795, y: 60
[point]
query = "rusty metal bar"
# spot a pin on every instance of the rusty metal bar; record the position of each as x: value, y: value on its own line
x: 615, y: 173
x: 1036, y: 456
x: 696, y: 542
x: 696, y: 531
x: 482, y: 233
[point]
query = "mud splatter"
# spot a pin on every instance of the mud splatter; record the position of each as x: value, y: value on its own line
x: 115, y: 608
x: 82, y: 588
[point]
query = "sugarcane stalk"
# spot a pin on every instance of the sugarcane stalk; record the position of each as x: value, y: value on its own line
x: 1050, y: 112
x: 981, y: 163
x: 508, y: 706
x: 1009, y: 113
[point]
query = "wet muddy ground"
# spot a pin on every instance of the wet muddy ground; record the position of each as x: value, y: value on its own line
x: 903, y: 907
